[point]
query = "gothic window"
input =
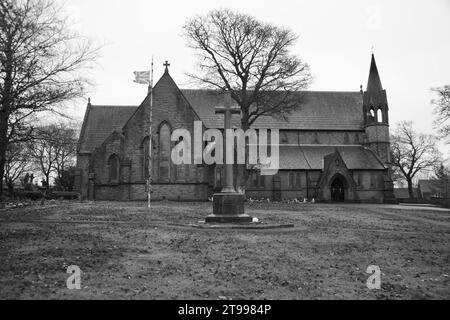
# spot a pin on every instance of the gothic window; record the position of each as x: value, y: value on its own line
x: 316, y: 138
x: 291, y: 179
x: 164, y: 151
x: 380, y: 115
x: 181, y: 170
x: 199, y: 174
x: 294, y: 180
x: 254, y: 179
x: 346, y: 138
x: 261, y: 181
x: 357, y: 176
x: 372, y: 113
x: 380, y: 181
x: 373, y: 182
x: 258, y: 180
x: 113, y: 166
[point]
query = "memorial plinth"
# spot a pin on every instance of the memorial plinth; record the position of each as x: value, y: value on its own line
x: 228, y: 208
x: 228, y: 205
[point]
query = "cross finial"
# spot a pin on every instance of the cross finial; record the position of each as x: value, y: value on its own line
x: 167, y: 65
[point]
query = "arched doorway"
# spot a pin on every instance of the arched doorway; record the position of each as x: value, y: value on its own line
x: 338, y: 190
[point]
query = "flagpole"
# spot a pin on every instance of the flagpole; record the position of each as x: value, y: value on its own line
x: 149, y: 181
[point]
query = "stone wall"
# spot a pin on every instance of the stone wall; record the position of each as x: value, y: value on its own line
x: 137, y: 192
x: 377, y: 139
x: 82, y: 174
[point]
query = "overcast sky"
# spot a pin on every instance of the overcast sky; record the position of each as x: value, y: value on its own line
x: 410, y: 40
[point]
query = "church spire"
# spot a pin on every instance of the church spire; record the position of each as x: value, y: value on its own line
x: 374, y: 82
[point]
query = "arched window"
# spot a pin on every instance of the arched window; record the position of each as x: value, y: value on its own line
x: 380, y: 181
x: 291, y: 179
x: 373, y: 181
x: 114, y: 167
x: 372, y: 113
x: 380, y: 115
x: 258, y: 180
x: 181, y: 170
x: 164, y: 151
x: 295, y: 180
x: 346, y: 138
x: 316, y: 138
x: 358, y: 178
x: 262, y: 181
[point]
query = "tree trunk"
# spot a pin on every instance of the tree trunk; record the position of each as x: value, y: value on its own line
x: 11, y: 190
x: 3, y: 146
x: 47, y: 183
x: 410, y: 188
x: 5, y: 110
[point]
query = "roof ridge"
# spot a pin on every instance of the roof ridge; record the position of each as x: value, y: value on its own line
x: 321, y: 91
x: 83, y: 127
x: 113, y: 106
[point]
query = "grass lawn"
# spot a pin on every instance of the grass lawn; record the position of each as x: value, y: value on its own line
x: 126, y: 252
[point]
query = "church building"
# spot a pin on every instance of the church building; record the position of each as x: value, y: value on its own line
x: 335, y: 147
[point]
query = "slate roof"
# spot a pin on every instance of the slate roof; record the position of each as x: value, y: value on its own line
x: 99, y: 122
x: 311, y: 157
x: 321, y: 110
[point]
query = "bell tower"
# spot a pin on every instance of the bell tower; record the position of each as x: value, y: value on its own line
x: 376, y: 116
x: 376, y: 124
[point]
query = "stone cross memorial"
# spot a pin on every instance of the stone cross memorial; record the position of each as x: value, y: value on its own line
x: 228, y: 205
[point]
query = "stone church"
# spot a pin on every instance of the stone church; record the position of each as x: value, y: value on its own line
x: 334, y: 148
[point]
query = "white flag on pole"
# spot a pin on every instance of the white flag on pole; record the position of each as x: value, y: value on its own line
x: 142, y: 77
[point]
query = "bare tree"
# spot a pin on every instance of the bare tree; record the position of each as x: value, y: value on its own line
x: 43, y: 152
x: 442, y: 178
x: 413, y: 152
x: 442, y: 110
x: 40, y: 66
x: 53, y: 150
x: 397, y: 176
x: 17, y: 161
x: 65, y: 146
x: 249, y: 59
